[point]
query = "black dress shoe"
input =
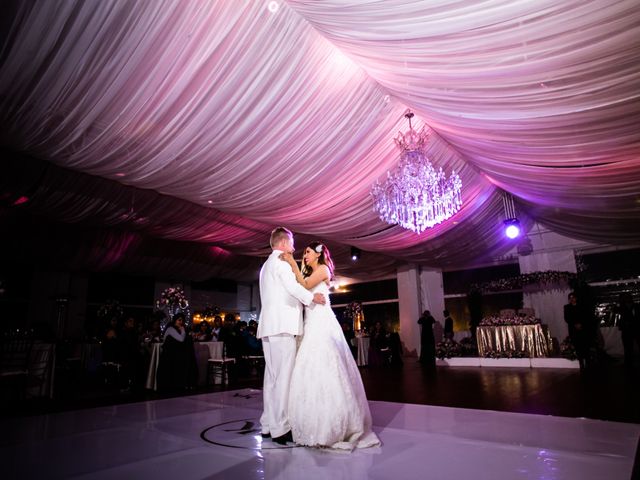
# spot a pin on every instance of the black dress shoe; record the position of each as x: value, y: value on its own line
x: 266, y: 435
x: 283, y: 439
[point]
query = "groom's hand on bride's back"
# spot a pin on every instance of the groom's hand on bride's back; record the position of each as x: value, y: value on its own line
x: 319, y: 299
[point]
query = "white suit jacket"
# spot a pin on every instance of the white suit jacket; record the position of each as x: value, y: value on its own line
x: 281, y: 297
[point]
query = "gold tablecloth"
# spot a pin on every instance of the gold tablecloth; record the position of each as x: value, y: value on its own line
x: 532, y: 339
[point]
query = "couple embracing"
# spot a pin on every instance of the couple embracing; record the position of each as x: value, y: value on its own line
x: 313, y: 393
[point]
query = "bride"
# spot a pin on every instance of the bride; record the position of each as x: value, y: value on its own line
x: 327, y: 403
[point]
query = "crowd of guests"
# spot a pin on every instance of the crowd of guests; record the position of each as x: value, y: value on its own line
x: 385, y: 348
x: 582, y: 325
x: 127, y: 346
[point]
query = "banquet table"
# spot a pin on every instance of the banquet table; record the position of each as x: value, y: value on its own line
x: 612, y: 341
x: 363, y: 350
x: 203, y: 352
x: 534, y: 340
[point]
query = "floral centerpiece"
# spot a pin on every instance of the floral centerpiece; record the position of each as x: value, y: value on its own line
x: 506, y: 354
x: 109, y: 309
x: 354, y: 313
x: 497, y: 321
x: 546, y: 280
x: 173, y: 301
x: 447, y: 349
x: 567, y: 350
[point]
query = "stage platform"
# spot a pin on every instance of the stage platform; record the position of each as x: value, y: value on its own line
x: 507, y: 362
x: 216, y: 436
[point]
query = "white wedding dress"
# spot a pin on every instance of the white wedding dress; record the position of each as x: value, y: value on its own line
x: 327, y: 403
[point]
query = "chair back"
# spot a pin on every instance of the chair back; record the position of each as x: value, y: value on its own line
x: 14, y: 354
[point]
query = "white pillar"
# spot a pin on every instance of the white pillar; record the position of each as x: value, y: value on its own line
x: 432, y: 297
x: 409, y: 308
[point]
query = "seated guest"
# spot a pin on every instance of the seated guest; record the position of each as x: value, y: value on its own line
x: 379, y: 352
x: 349, y: 336
x: 202, y: 334
x: 177, y: 368
x: 217, y: 328
x: 253, y: 345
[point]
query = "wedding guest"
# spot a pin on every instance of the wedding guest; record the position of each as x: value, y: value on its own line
x: 427, y: 339
x: 202, y: 334
x: 177, y: 368
x: 629, y: 326
x: 217, y: 327
x: 253, y: 344
x: 379, y: 346
x: 579, y: 329
x: 349, y: 336
x: 448, y: 325
x: 131, y: 357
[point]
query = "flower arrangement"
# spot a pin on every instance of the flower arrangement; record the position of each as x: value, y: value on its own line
x: 354, y: 313
x: 506, y: 354
x: 567, y: 350
x: 447, y: 349
x: 469, y: 347
x: 353, y: 310
x: 545, y: 280
x: 110, y: 308
x: 172, y: 297
x: 497, y: 321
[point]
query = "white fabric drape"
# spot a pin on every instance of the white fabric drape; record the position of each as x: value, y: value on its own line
x: 249, y: 119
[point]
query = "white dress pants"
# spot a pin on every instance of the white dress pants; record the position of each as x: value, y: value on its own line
x: 279, y: 357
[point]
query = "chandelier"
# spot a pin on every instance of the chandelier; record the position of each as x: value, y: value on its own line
x: 415, y: 195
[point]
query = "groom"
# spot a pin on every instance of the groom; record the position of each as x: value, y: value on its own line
x: 280, y: 320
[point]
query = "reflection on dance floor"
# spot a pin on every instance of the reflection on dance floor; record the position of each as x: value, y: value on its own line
x: 217, y: 436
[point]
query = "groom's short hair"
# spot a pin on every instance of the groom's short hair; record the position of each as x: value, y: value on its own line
x: 278, y: 234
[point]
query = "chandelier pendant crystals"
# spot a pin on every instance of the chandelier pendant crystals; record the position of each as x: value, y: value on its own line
x: 415, y: 195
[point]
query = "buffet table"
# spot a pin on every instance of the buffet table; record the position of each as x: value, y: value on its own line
x: 534, y: 340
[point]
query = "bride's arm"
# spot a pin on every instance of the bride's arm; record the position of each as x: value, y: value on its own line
x: 320, y: 274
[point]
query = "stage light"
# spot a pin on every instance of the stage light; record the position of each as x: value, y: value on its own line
x: 512, y: 228
x: 355, y: 254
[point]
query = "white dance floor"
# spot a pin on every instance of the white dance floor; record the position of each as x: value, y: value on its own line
x: 216, y: 436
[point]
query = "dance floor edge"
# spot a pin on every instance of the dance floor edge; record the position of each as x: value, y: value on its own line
x: 216, y: 436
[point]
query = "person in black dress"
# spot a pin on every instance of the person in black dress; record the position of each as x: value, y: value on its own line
x: 177, y: 369
x: 427, y: 339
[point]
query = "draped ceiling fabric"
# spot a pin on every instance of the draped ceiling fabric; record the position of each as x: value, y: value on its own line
x: 210, y: 122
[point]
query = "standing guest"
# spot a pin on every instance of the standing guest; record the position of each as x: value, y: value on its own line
x: 177, y: 368
x: 629, y: 326
x: 427, y: 339
x: 448, y: 325
x: 130, y: 355
x: 579, y: 331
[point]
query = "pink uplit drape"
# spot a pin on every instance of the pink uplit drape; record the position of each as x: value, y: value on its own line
x: 213, y: 121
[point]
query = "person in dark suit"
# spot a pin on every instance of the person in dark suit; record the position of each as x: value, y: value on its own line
x: 579, y: 329
x: 448, y: 325
x: 427, y: 339
x: 629, y: 326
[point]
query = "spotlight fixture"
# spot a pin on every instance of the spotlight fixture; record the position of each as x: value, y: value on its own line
x: 512, y: 228
x: 511, y: 223
x: 355, y: 254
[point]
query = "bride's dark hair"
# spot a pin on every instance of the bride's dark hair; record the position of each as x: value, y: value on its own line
x: 323, y: 259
